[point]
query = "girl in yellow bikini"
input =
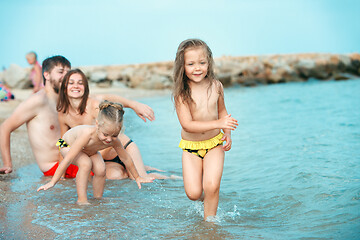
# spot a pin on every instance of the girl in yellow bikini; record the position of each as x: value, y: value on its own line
x: 200, y: 107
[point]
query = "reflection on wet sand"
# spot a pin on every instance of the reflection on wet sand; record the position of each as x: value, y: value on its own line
x: 17, y: 209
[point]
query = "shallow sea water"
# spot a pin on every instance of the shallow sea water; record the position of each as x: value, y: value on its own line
x: 292, y: 173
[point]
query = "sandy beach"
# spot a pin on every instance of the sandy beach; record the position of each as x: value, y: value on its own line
x: 22, y: 227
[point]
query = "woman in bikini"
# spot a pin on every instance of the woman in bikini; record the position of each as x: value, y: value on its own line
x: 76, y: 107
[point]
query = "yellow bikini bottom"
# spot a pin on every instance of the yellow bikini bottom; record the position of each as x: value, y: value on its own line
x: 201, y: 148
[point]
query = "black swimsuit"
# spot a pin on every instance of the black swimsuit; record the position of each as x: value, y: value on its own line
x: 117, y: 159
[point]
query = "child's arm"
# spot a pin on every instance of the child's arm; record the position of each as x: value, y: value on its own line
x: 63, y: 129
x: 126, y: 159
x: 223, y: 112
x: 24, y: 113
x: 189, y: 125
x: 142, y: 110
x: 75, y: 149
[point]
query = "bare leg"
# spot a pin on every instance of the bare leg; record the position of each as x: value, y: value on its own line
x: 84, y: 163
x: 134, y: 152
x: 99, y: 175
x: 213, y: 168
x: 192, y: 167
x: 115, y: 171
x: 149, y: 168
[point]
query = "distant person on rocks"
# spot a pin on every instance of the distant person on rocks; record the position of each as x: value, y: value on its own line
x: 200, y: 107
x: 35, y: 74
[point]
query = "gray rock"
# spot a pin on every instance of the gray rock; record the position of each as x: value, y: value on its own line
x: 304, y: 67
x: 16, y: 77
x: 98, y: 76
x: 156, y: 82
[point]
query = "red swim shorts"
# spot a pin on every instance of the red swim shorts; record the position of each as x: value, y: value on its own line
x: 71, y: 171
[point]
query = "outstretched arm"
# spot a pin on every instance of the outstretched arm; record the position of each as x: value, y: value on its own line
x: 142, y: 110
x: 75, y: 149
x: 24, y: 113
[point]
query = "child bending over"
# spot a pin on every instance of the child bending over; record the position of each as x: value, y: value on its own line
x: 81, y: 145
x: 200, y: 107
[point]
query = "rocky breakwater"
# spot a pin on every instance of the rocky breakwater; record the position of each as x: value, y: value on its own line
x: 246, y: 71
x: 253, y: 70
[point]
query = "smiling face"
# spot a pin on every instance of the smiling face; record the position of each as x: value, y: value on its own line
x: 196, y: 64
x: 108, y: 130
x: 75, y: 87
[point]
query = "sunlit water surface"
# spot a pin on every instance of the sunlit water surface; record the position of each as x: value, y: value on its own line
x: 293, y: 173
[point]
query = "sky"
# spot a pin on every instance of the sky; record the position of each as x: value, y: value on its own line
x: 113, y: 32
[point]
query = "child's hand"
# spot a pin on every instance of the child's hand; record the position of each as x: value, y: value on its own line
x: 143, y: 180
x: 227, y: 139
x: 46, y: 186
x: 228, y: 122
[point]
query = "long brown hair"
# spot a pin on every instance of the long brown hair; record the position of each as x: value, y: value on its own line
x: 63, y: 103
x: 181, y: 85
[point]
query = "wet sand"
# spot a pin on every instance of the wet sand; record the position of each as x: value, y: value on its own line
x: 18, y: 225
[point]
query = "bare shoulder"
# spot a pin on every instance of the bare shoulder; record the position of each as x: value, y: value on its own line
x: 93, y: 101
x: 63, y: 117
x: 180, y: 103
x: 35, y: 102
x: 93, y: 104
x: 28, y: 109
x: 178, y: 99
x: 88, y: 130
x: 81, y: 131
x: 218, y: 85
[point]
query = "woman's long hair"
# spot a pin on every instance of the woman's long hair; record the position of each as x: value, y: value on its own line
x: 63, y: 103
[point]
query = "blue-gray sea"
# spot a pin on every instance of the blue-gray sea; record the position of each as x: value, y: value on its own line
x: 293, y: 173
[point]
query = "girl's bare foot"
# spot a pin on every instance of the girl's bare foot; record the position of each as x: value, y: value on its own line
x: 83, y: 203
x: 149, y: 168
x: 175, y: 177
